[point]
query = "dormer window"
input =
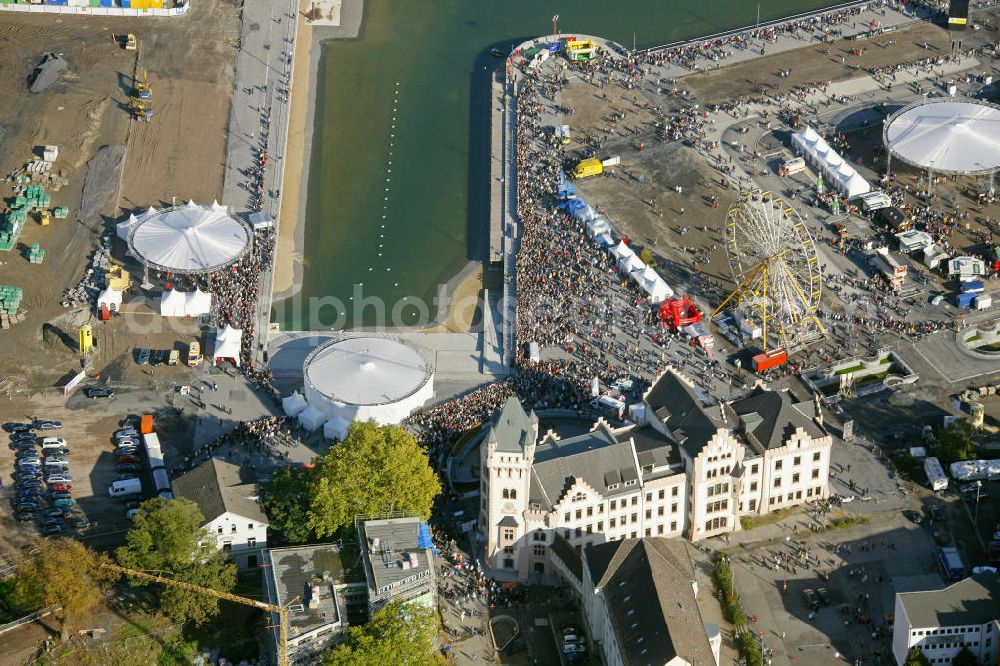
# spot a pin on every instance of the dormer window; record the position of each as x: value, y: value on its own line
x: 647, y: 469
x: 631, y: 482
x: 613, y: 486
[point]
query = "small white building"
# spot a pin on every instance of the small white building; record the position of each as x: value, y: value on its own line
x: 230, y: 507
x: 942, y: 622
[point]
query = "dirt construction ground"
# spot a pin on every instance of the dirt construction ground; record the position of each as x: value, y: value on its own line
x: 180, y: 153
x: 813, y: 64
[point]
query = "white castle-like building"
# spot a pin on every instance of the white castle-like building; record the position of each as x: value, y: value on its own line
x: 683, y: 469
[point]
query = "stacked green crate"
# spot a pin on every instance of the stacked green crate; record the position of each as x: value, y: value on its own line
x: 60, y: 212
x: 10, y: 299
x: 36, y: 255
x: 10, y: 228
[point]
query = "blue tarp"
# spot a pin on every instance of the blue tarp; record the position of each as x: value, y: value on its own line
x: 424, y: 538
x: 575, y: 205
x: 973, y: 286
x: 555, y: 46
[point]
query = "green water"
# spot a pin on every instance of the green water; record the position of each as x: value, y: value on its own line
x: 436, y: 211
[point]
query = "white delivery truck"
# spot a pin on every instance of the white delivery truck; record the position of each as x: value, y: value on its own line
x: 936, y: 477
x: 124, y: 488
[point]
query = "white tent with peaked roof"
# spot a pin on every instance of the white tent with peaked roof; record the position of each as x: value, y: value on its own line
x: 172, y: 303
x: 228, y: 343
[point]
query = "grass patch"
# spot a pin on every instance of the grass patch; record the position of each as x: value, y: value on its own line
x: 973, y: 338
x: 843, y: 522
x: 750, y: 522
x: 994, y: 346
x: 875, y: 378
x: 747, y: 645
x: 905, y: 464
x: 885, y: 361
x: 853, y: 368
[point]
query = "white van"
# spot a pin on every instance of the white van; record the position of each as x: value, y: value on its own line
x: 53, y: 443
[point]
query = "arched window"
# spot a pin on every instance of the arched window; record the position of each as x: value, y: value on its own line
x: 506, y: 493
x: 513, y: 494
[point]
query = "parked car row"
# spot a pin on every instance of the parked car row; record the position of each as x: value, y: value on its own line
x: 126, y: 483
x: 574, y: 644
x: 41, y: 473
x: 145, y: 356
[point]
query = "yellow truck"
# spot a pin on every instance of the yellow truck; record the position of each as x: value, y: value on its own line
x: 588, y: 167
x: 194, y: 353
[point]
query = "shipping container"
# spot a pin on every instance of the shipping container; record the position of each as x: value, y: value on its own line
x: 964, y: 300
x: 768, y: 360
x: 146, y: 424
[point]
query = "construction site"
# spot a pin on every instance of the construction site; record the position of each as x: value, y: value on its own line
x: 106, y: 116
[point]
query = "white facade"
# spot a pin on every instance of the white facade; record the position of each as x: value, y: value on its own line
x: 921, y: 620
x: 642, y: 481
x: 243, y: 538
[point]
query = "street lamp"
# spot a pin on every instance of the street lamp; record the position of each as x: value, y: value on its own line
x: 555, y: 24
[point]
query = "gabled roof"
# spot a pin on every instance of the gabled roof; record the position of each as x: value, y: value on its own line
x: 646, y: 587
x: 674, y: 402
x: 596, y: 458
x: 651, y: 447
x: 513, y: 428
x: 215, y: 486
x: 975, y: 600
x: 771, y: 417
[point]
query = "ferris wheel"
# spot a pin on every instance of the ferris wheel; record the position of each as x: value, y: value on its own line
x: 774, y: 265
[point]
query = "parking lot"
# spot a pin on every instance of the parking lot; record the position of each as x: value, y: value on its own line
x: 87, y: 425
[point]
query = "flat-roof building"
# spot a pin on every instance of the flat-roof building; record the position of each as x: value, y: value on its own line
x: 942, y: 622
x: 398, y: 562
x: 312, y: 580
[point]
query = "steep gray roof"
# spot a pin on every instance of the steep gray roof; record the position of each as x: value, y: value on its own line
x: 596, y: 457
x: 651, y: 447
x: 975, y: 600
x: 770, y: 417
x: 675, y: 403
x: 215, y: 486
x: 646, y: 585
x: 513, y: 428
x: 562, y: 549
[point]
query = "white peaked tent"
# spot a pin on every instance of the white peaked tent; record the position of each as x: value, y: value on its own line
x: 123, y: 228
x: 294, y: 404
x: 824, y: 159
x: 336, y: 428
x: 227, y: 344
x: 598, y: 226
x: 631, y: 264
x: 173, y: 303
x: 585, y: 212
x: 197, y: 303
x: 111, y: 298
x: 621, y: 251
x: 654, y: 286
x: 311, y: 418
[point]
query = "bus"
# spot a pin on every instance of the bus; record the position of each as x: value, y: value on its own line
x: 936, y: 477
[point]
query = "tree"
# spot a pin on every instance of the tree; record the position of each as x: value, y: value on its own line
x: 64, y: 573
x: 168, y: 537
x: 398, y: 634
x: 965, y: 658
x: 955, y: 443
x: 916, y: 658
x: 375, y: 470
x: 286, y: 504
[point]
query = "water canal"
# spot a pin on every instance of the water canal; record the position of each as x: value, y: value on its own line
x: 411, y: 91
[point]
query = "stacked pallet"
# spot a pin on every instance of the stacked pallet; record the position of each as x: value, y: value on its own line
x: 36, y: 254
x: 10, y: 301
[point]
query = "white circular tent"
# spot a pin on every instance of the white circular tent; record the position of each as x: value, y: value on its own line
x: 190, y: 238
x: 366, y: 377
x: 946, y: 135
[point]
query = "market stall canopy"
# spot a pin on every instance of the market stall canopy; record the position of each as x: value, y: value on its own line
x: 228, y: 343
x: 622, y: 251
x: 110, y: 298
x: 172, y: 303
x: 197, y: 303
x: 294, y: 404
x: 826, y: 161
x: 188, y: 238
x: 336, y: 428
x: 960, y: 136
x: 311, y: 418
x: 630, y: 264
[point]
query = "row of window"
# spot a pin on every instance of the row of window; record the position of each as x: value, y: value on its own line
x: 795, y: 479
x: 578, y: 532
x: 233, y: 526
x: 949, y: 631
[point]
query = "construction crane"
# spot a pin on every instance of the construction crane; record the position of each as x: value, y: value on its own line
x: 282, y: 611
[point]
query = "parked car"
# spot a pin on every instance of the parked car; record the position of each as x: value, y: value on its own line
x: 79, y: 523
x: 55, y: 512
x: 128, y: 468
x: 52, y: 520
x: 126, y: 450
x: 26, y: 516
x: 55, y: 452
x: 142, y: 356
x: 27, y: 474
x: 28, y: 483
x: 48, y: 425
x: 60, y: 494
x: 22, y: 505
x: 22, y: 446
x: 27, y: 436
x: 57, y: 460
x: 126, y: 458
x: 53, y: 443
x: 16, y: 427
x: 58, y: 478
x: 130, y: 514
x: 64, y: 487
x: 824, y: 596
x: 810, y: 598
x: 62, y: 503
x: 98, y: 392
x: 25, y: 454
x: 30, y: 492
x: 52, y: 529
x: 127, y: 431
